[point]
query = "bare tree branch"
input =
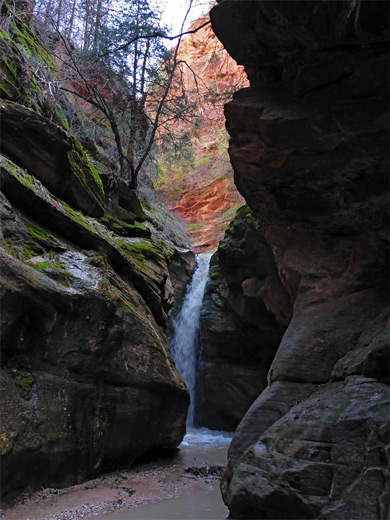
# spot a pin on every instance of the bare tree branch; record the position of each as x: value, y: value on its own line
x: 157, y: 34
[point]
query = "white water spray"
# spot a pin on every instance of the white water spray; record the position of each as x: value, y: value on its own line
x: 183, y: 344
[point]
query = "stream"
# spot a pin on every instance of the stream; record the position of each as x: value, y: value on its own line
x: 201, y: 449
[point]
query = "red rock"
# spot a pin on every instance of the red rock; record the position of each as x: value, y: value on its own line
x: 206, y: 191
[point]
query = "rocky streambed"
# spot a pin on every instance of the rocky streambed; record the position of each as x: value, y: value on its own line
x: 166, y: 482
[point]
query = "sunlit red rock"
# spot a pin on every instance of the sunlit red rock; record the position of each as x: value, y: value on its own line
x: 204, y: 194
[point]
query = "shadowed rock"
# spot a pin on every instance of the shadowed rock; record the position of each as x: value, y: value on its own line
x: 309, y: 148
x: 244, y: 314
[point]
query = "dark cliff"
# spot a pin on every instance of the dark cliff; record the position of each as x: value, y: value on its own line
x: 309, y: 148
x: 244, y: 314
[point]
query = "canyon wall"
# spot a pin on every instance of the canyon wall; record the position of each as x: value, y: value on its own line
x: 245, y: 312
x: 309, y: 148
x: 88, y: 282
x: 196, y: 182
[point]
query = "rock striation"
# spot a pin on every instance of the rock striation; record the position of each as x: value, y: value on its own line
x: 87, y: 378
x: 309, y: 148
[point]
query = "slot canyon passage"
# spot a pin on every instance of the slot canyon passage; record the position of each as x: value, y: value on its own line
x: 287, y: 363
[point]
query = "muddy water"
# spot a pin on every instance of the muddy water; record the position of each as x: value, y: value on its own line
x: 206, y: 505
x: 201, y: 451
x: 183, y: 484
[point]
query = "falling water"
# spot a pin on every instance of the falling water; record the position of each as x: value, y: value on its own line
x: 183, y: 344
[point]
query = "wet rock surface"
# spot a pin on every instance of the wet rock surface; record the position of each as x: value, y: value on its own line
x: 309, y: 148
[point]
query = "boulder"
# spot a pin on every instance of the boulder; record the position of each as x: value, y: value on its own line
x: 88, y: 382
x: 323, y: 459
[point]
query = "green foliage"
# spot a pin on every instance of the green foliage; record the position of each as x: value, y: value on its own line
x: 176, y: 159
x: 166, y: 226
x: 30, y: 75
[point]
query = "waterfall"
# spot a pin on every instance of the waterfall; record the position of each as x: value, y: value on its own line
x: 185, y: 326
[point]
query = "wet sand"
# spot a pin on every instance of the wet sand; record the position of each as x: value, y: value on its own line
x: 183, y: 484
x: 198, y: 505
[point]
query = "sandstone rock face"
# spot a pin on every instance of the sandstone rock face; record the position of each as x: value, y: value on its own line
x: 322, y: 459
x: 245, y: 304
x: 200, y: 188
x: 309, y: 147
x: 53, y: 156
x: 88, y: 382
x: 207, y: 212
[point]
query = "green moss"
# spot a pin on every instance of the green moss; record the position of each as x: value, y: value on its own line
x: 38, y: 233
x: 37, y: 187
x: 86, y: 173
x: 9, y: 82
x: 9, y: 246
x: 127, y: 247
x: 25, y: 178
x: 28, y: 252
x: 81, y: 164
x: 24, y: 380
x: 27, y: 67
x: 23, y: 251
x: 165, y: 246
x: 122, y: 228
x: 147, y: 249
x: 243, y: 213
x: 214, y: 272
x: 51, y: 266
x: 140, y: 254
x: 244, y: 210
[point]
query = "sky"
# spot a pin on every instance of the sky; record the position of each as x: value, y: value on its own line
x: 174, y: 12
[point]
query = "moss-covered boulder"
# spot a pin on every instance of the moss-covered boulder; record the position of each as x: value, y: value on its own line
x: 53, y: 156
x: 88, y: 382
